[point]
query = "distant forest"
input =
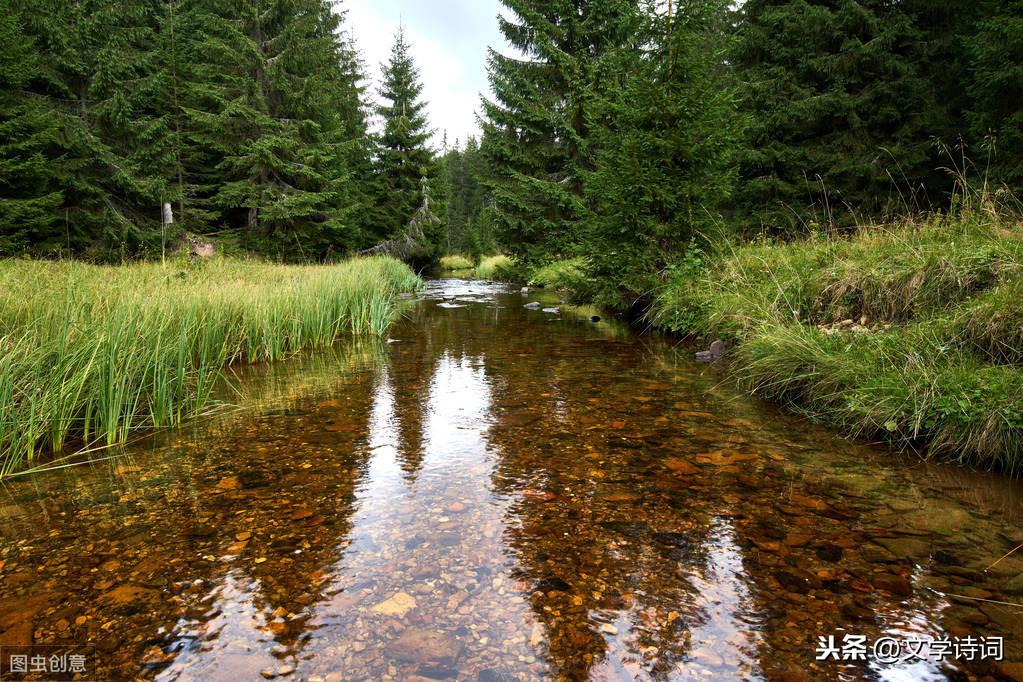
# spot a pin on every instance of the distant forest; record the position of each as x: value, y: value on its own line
x: 617, y: 130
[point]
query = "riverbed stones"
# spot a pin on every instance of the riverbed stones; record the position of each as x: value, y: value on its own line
x: 130, y: 595
x: 1006, y: 568
x: 17, y: 610
x: 895, y: 584
x: 229, y: 483
x: 425, y: 647
x: 682, y: 467
x: 1012, y: 671
x: 829, y: 552
x: 562, y: 522
x: 875, y: 554
x: 398, y: 605
x: 966, y: 614
x: 1007, y: 619
x: 723, y: 459
x: 905, y: 547
x: 1014, y: 586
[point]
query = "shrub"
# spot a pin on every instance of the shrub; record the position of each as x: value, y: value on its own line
x: 568, y: 275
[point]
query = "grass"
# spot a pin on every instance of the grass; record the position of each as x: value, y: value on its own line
x: 497, y: 267
x: 911, y: 333
x: 89, y: 354
x: 456, y: 262
x: 567, y: 275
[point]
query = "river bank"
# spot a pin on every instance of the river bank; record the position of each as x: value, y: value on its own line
x: 912, y: 335
x: 907, y: 334
x: 91, y: 354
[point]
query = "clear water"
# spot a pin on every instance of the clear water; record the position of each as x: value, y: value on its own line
x: 502, y: 494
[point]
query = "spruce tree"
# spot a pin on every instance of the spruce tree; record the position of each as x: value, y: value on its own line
x: 271, y: 102
x: 836, y: 100
x: 453, y: 215
x: 281, y: 173
x: 943, y: 62
x: 404, y: 156
x: 464, y: 175
x: 99, y: 78
x: 477, y: 232
x: 537, y: 126
x: 996, y: 86
x: 666, y: 148
x: 358, y: 143
x: 29, y: 198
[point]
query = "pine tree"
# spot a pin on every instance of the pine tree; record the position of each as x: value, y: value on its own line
x: 404, y: 157
x: 536, y: 129
x: 666, y: 149
x: 189, y: 62
x: 996, y: 86
x: 30, y: 200
x: 835, y: 96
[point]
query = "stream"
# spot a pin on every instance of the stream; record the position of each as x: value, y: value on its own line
x: 493, y: 493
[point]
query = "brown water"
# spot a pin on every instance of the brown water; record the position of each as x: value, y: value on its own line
x: 502, y: 494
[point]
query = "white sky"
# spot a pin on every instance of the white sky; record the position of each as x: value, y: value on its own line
x: 449, y: 42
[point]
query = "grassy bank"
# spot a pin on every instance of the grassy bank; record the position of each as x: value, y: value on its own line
x: 497, y: 267
x: 912, y: 334
x: 455, y: 262
x: 88, y: 354
x: 568, y: 275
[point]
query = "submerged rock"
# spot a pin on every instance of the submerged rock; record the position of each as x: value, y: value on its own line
x: 682, y: 466
x: 895, y: 584
x: 491, y: 675
x: 716, y: 352
x: 425, y: 647
x: 398, y: 605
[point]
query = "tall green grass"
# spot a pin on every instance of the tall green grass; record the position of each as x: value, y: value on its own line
x: 499, y: 267
x: 89, y: 354
x: 929, y: 357
x: 568, y: 275
x: 456, y: 262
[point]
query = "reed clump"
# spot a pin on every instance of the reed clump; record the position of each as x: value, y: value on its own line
x: 499, y: 267
x: 89, y: 354
x: 456, y: 262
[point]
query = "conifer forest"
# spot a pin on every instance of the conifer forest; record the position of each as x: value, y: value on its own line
x: 511, y: 340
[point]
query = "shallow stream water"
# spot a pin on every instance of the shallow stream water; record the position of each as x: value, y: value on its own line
x: 494, y: 493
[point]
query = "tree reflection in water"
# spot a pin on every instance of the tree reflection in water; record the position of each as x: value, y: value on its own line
x: 499, y: 494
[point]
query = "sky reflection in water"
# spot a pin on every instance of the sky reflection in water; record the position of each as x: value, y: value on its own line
x: 499, y: 494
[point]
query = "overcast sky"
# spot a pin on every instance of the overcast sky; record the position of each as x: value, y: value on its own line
x: 449, y: 42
